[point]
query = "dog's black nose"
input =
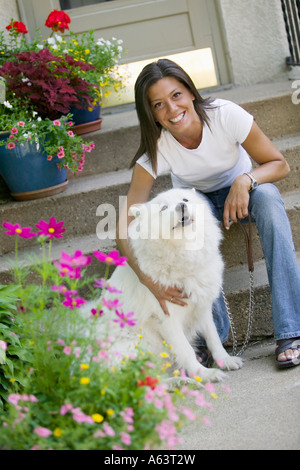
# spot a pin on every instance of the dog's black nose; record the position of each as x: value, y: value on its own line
x: 181, y: 207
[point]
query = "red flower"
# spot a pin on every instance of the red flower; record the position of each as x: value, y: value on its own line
x: 58, y: 21
x: 148, y: 382
x: 18, y: 27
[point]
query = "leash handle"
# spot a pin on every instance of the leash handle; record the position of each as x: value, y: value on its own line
x: 248, y: 241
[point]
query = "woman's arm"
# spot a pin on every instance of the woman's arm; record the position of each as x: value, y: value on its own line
x: 139, y: 192
x: 272, y: 167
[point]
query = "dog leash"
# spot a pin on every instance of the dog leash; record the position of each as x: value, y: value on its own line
x: 249, y: 249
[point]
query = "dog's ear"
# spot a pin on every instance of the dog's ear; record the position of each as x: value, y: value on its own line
x: 135, y: 210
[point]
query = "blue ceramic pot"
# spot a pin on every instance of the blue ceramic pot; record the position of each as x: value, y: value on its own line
x: 26, y: 169
x: 82, y: 116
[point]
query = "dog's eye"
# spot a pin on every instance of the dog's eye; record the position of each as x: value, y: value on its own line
x: 185, y: 200
x: 163, y: 208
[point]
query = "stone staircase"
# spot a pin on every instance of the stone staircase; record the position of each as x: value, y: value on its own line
x: 106, y: 177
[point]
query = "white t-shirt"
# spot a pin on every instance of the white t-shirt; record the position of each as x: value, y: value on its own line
x: 217, y: 161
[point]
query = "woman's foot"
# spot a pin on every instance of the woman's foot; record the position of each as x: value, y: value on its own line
x: 288, y: 352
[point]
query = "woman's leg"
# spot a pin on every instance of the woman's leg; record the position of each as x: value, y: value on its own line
x: 268, y: 211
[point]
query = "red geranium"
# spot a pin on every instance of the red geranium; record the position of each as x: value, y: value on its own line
x: 17, y: 26
x: 58, y: 21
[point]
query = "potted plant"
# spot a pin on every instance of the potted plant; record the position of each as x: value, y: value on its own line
x: 36, y: 151
x: 98, y: 58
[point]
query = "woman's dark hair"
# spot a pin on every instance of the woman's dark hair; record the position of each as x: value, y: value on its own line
x: 149, y: 128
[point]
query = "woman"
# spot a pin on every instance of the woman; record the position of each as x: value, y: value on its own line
x: 206, y: 144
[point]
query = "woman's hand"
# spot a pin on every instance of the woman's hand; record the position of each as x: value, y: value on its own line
x: 237, y: 201
x: 171, y: 294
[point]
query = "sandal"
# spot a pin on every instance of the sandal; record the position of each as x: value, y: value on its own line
x: 204, y: 356
x: 282, y: 346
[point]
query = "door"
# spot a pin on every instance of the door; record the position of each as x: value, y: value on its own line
x: 149, y: 28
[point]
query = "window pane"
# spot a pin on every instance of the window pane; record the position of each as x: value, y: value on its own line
x: 70, y: 4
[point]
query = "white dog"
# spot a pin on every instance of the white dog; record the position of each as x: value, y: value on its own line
x: 176, y: 238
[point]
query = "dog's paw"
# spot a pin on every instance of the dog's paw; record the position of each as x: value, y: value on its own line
x: 215, y: 375
x: 230, y: 363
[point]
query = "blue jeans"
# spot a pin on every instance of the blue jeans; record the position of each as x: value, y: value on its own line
x: 268, y: 212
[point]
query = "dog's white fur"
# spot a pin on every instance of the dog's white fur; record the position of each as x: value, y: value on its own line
x: 176, y: 238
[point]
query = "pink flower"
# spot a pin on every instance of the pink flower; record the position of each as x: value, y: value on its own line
x: 78, y: 260
x: 206, y: 421
x: 63, y: 290
x: 43, y: 432
x: 14, y: 130
x: 16, y: 229
x: 73, y: 302
x: 3, y: 345
x: 112, y: 257
x: 125, y: 319
x: 125, y: 438
x: 56, y: 122
x: 111, y: 304
x: 72, y: 273
x: 61, y: 154
x: 96, y: 312
x: 67, y: 350
x: 21, y: 123
x: 103, y: 284
x: 11, y: 145
x: 51, y: 229
x: 108, y: 429
x: 65, y: 408
x: 49, y: 158
x: 70, y: 133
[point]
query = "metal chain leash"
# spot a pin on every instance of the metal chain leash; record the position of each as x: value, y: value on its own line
x: 235, y: 352
x: 248, y: 240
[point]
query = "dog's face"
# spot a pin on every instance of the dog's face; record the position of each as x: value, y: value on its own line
x: 175, y: 215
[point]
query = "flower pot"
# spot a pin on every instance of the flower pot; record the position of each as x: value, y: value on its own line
x: 86, y: 121
x: 27, y: 172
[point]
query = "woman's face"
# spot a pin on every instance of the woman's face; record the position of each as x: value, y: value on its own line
x: 172, y: 105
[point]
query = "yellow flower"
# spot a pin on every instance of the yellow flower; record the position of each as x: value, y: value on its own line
x: 87, y: 51
x: 84, y: 366
x: 176, y: 373
x: 110, y: 412
x: 213, y: 395
x: 102, y: 392
x: 97, y: 418
x: 164, y: 354
x: 31, y: 343
x: 198, y: 378
x: 85, y: 380
x: 57, y: 432
x: 12, y: 380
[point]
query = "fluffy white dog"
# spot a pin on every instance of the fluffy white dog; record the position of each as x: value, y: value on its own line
x: 176, y: 238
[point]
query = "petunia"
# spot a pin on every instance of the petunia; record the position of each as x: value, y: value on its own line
x: 51, y: 229
x: 11, y: 145
x: 56, y: 122
x: 16, y: 229
x: 112, y: 258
